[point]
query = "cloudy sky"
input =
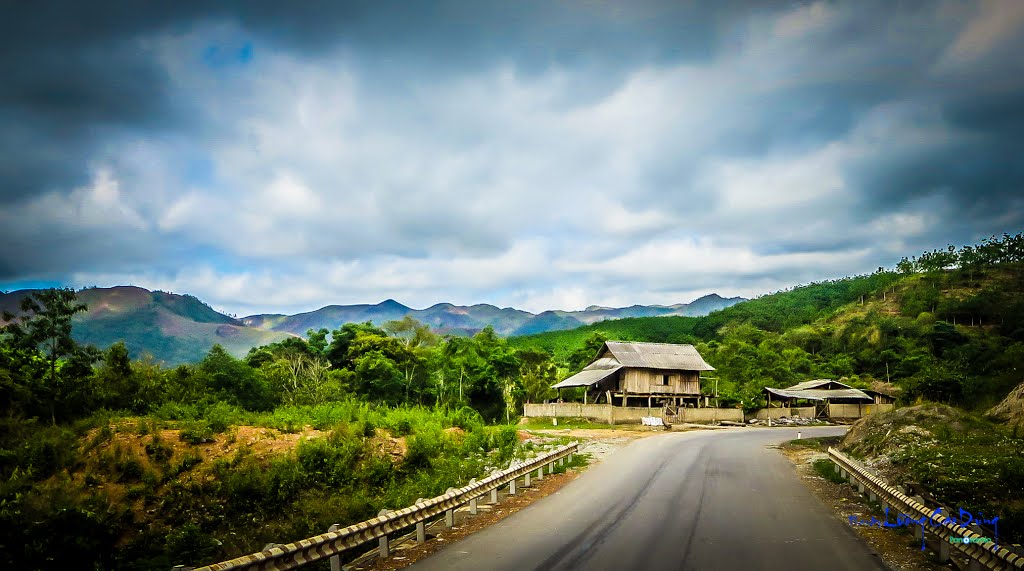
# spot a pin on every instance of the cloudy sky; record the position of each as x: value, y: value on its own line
x: 279, y: 156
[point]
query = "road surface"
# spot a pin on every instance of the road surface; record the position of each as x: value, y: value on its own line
x: 679, y: 501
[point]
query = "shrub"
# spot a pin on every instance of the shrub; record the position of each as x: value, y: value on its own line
x: 196, y: 432
x: 826, y: 469
x: 129, y: 470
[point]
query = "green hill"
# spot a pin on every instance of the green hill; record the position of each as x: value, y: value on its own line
x: 172, y: 328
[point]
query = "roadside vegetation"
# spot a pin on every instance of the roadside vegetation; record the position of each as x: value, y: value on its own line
x: 110, y: 463
x: 960, y: 458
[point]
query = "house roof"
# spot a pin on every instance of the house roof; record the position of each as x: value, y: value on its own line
x: 821, y: 394
x: 587, y: 377
x: 817, y: 383
x: 618, y: 354
x: 657, y: 356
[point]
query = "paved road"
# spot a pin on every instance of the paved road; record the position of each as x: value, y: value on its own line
x: 694, y: 500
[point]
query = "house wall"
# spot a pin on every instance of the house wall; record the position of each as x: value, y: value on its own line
x: 649, y: 381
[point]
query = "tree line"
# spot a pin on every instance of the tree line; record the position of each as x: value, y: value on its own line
x: 45, y: 373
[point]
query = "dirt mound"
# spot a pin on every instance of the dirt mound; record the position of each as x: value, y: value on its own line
x: 1011, y: 409
x: 890, y: 432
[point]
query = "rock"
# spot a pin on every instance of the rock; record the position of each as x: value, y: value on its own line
x: 1011, y: 409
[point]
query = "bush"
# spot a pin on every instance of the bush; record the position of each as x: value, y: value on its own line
x: 826, y: 469
x: 129, y: 470
x: 196, y: 432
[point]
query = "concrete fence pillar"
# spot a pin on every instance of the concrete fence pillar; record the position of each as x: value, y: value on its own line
x: 943, y: 549
x: 336, y: 559
x: 383, y: 545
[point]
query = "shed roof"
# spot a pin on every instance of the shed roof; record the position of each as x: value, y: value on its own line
x: 821, y: 394
x: 657, y: 356
x: 587, y: 377
x: 817, y: 383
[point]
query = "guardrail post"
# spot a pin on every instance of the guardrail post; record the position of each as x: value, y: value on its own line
x: 871, y: 495
x: 384, y: 546
x: 551, y: 468
x: 974, y: 565
x: 540, y: 473
x: 943, y: 549
x: 526, y: 482
x: 494, y: 496
x: 421, y: 534
x: 512, y: 487
x: 472, y: 506
x: 335, y: 559
x: 449, y: 518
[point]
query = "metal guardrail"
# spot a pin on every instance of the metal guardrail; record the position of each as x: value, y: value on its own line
x: 333, y: 543
x: 939, y: 524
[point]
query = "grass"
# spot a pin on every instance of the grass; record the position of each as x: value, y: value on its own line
x: 818, y: 443
x: 826, y: 469
x: 545, y: 423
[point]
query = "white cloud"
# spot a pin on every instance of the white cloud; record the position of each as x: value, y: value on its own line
x: 331, y: 182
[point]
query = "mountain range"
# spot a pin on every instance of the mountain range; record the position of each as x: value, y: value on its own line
x: 177, y: 328
x: 466, y: 320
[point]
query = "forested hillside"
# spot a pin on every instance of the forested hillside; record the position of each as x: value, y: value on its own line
x: 946, y: 326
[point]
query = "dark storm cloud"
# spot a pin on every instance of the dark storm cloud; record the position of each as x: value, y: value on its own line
x: 413, y: 143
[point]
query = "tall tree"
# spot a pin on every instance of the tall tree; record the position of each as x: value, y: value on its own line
x: 45, y: 324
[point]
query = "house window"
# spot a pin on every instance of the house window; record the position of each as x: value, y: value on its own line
x: 664, y: 380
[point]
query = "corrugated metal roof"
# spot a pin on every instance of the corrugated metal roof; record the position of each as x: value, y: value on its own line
x: 815, y: 384
x: 587, y: 377
x: 657, y: 356
x: 814, y: 394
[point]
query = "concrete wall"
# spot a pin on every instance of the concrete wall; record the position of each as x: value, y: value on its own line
x: 856, y: 410
x: 628, y: 414
x: 763, y: 413
x: 710, y: 414
x: 598, y: 412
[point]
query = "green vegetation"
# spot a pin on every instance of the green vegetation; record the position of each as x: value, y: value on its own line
x: 213, y: 460
x: 958, y: 456
x: 826, y: 469
x: 546, y: 423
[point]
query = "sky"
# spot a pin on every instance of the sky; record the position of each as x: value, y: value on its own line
x: 271, y: 156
